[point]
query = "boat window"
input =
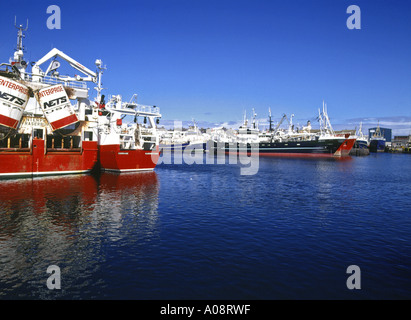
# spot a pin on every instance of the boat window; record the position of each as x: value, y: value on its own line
x: 88, y: 136
x: 38, y: 133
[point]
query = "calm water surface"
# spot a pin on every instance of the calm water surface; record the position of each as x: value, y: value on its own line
x: 207, y: 232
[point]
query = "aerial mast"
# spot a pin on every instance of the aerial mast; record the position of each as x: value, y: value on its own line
x: 19, y: 64
x: 254, y: 115
x: 270, y: 121
x: 100, y: 70
x: 20, y: 36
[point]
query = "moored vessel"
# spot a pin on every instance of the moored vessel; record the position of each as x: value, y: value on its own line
x: 49, y: 125
x: 377, y: 141
x: 361, y: 143
x: 294, y: 142
x: 127, y: 146
x: 41, y: 132
x: 191, y: 139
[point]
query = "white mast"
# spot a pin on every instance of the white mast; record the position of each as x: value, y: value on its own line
x: 20, y: 35
x: 320, y: 120
x: 100, y: 71
x: 20, y: 64
x: 245, y: 118
x: 290, y: 124
x: 254, y: 115
x: 325, y: 123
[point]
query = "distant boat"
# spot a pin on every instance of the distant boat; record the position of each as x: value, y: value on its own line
x: 293, y: 143
x: 180, y: 140
x: 361, y: 144
x: 362, y: 140
x: 377, y: 141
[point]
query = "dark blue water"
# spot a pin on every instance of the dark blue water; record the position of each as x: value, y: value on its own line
x: 207, y: 232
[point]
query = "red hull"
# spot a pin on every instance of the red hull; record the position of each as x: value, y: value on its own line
x: 114, y: 159
x: 345, y: 148
x: 36, y: 161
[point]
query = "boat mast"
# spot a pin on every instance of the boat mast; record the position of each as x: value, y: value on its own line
x: 254, y: 115
x: 19, y: 65
x: 359, y: 133
x: 290, y: 125
x: 20, y: 36
x: 328, y: 121
x: 269, y: 120
x: 245, y: 124
x: 320, y: 120
x: 325, y: 123
x: 100, y: 70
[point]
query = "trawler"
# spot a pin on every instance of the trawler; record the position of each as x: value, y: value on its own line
x: 294, y: 142
x: 41, y: 131
x: 177, y: 140
x: 377, y: 140
x: 49, y: 125
x: 128, y: 146
x: 362, y: 140
x: 360, y: 147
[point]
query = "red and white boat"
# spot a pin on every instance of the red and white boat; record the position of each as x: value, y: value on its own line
x: 49, y: 126
x: 128, y: 145
x: 41, y: 132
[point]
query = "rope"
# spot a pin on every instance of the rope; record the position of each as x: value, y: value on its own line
x: 7, y: 135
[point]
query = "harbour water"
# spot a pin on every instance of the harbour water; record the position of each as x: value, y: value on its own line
x: 204, y: 231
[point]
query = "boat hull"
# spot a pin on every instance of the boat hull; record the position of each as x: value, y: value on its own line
x: 112, y: 158
x: 361, y: 144
x: 360, y: 148
x: 173, y: 147
x: 200, y: 146
x: 377, y: 145
x: 38, y: 161
x: 312, y: 148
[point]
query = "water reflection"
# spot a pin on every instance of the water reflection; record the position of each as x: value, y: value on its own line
x: 68, y: 221
x: 125, y: 198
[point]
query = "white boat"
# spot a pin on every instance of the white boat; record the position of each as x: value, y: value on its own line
x: 192, y: 138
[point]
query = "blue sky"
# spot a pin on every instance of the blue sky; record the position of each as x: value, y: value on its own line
x: 212, y: 60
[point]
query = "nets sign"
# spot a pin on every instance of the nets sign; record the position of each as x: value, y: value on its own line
x: 13, y: 100
x: 56, y: 107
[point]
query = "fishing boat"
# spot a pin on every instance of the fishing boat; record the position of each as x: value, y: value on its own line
x: 294, y: 142
x: 361, y: 139
x: 248, y: 133
x: 49, y: 125
x: 377, y: 141
x: 41, y: 131
x: 360, y: 147
x: 127, y: 146
x: 177, y: 140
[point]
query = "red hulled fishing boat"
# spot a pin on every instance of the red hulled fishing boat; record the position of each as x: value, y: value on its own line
x: 49, y: 126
